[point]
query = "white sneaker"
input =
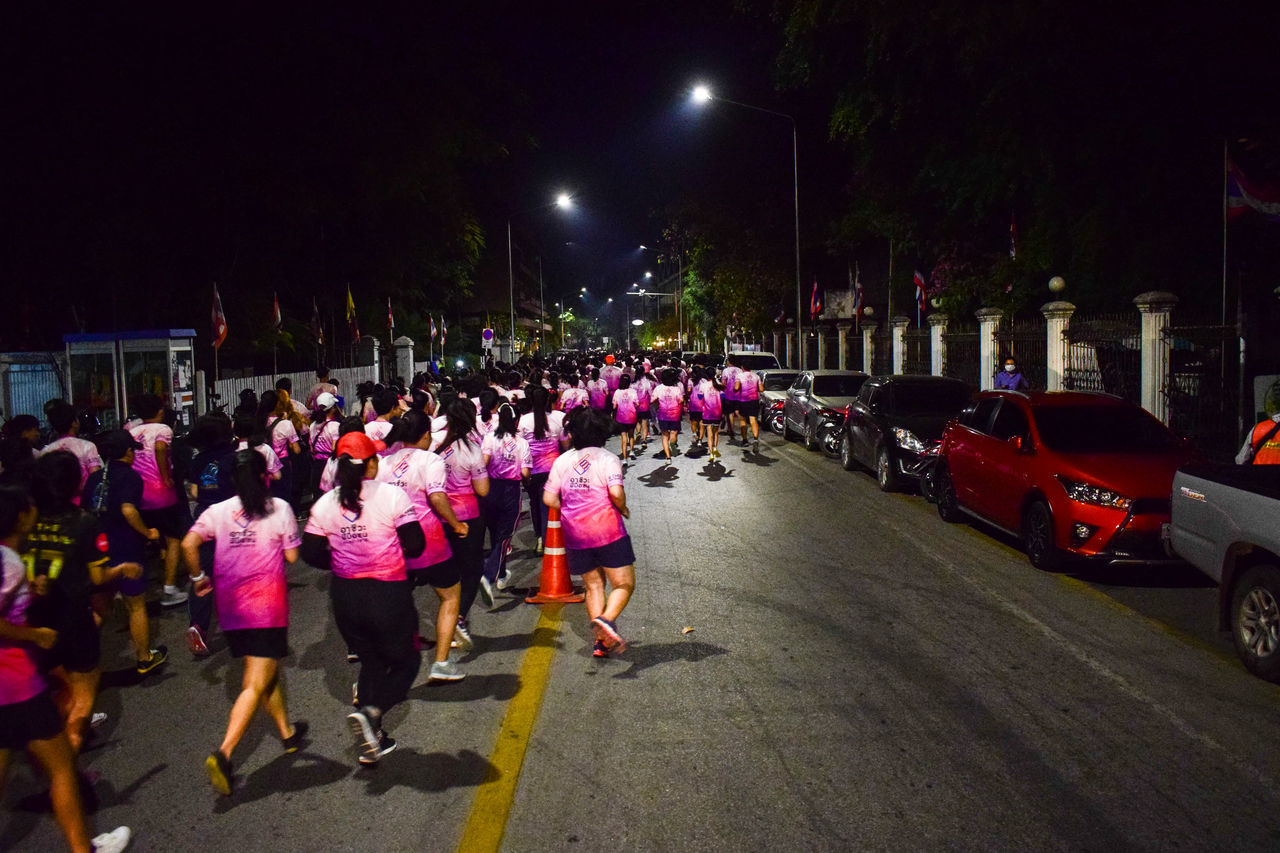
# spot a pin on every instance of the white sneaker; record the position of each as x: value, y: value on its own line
x: 446, y: 670
x: 539, y: 545
x: 486, y: 592
x: 462, y: 637
x: 504, y: 580
x: 97, y: 719
x: 114, y: 841
x: 172, y: 597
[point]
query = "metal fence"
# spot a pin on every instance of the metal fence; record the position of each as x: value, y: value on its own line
x: 919, y: 350
x: 1104, y: 353
x: 28, y: 381
x: 882, y: 352
x: 347, y: 378
x: 962, y: 358
x: 1203, y: 388
x: 1024, y: 340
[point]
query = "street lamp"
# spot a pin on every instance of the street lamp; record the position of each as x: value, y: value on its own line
x: 702, y: 94
x: 563, y: 201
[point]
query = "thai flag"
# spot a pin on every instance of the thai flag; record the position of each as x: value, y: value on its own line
x: 219, y: 320
x: 815, y: 302
x: 1244, y: 195
x: 277, y: 320
x: 920, y: 291
x: 432, y: 321
x: 317, y: 328
x: 391, y: 318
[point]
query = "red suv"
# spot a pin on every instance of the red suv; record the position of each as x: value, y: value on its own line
x: 1067, y: 472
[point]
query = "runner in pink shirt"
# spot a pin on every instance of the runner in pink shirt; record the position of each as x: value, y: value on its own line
x: 254, y: 535
x: 626, y: 407
x: 670, y: 400
x: 508, y: 461
x: 573, y: 396
x: 610, y: 373
x: 363, y: 530
x: 586, y: 486
x: 644, y: 387
x: 695, y: 408
x: 159, y: 500
x: 423, y: 477
x: 597, y: 392
x: 62, y: 418
x: 728, y: 394
x: 712, y: 410
x: 748, y: 390
x: 544, y: 430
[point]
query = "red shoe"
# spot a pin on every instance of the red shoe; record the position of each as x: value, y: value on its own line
x: 599, y: 651
x: 195, y: 642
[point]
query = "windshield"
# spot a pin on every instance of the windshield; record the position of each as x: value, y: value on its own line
x: 1102, y: 429
x: 748, y: 361
x: 779, y: 381
x: 837, y: 386
x: 929, y: 398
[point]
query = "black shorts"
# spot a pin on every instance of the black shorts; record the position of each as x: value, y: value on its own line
x: 695, y: 417
x: 168, y: 520
x: 615, y: 555
x: 36, y: 718
x: 440, y: 576
x: 728, y: 407
x: 78, y: 648
x: 629, y: 429
x: 749, y: 408
x: 258, y: 642
x: 669, y: 426
x: 642, y: 415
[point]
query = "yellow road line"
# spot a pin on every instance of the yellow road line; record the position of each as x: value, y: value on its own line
x: 488, y: 819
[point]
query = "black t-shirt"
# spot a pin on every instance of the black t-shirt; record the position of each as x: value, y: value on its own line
x: 123, y: 486
x: 211, y: 471
x: 63, y: 547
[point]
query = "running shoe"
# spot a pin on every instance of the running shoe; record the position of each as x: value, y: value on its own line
x: 355, y: 694
x: 539, y: 545
x: 504, y: 580
x: 361, y: 722
x: 352, y: 657
x: 298, y: 739
x: 462, y: 636
x: 114, y: 841
x: 386, y: 745
x: 486, y: 592
x: 607, y: 634
x: 196, y: 643
x: 599, y: 651
x: 172, y: 597
x: 422, y: 644
x: 219, y: 767
x: 755, y: 446
x: 446, y: 670
x: 158, y: 656
x: 97, y: 719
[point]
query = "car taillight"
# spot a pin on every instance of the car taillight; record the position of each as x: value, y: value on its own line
x: 777, y: 407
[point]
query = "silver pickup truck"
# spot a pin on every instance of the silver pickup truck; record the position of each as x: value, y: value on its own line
x: 1226, y: 523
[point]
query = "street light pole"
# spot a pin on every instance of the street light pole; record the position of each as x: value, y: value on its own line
x: 511, y: 289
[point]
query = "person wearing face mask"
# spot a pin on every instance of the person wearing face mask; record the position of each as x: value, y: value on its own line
x: 1011, y: 379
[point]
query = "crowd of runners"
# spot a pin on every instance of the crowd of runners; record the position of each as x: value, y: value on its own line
x: 397, y: 487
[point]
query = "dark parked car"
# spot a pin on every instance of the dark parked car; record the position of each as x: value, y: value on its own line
x: 815, y: 395
x: 895, y: 419
x: 1071, y: 473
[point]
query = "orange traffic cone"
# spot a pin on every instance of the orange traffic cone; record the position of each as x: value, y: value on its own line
x: 555, y: 586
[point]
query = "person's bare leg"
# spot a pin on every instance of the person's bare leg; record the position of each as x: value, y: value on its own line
x: 58, y: 760
x: 593, y: 581
x: 259, y: 675
x: 622, y: 582
x: 273, y: 702
x: 447, y: 618
x: 666, y: 444
x: 139, y: 626
x: 82, y: 690
x: 172, y: 550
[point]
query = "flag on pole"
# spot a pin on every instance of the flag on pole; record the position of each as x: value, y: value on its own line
x: 1013, y: 238
x: 391, y: 318
x: 781, y: 318
x: 1244, y: 195
x: 277, y: 320
x: 317, y: 327
x: 920, y: 291
x: 351, y: 318
x: 219, y: 320
x: 855, y: 284
x: 432, y: 320
x: 815, y: 302
x: 444, y: 330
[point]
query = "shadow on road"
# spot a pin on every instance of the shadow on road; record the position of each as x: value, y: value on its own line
x: 714, y: 471
x: 430, y: 771
x: 642, y: 657
x: 662, y: 478
x: 759, y: 459
x: 502, y: 686
x: 296, y: 771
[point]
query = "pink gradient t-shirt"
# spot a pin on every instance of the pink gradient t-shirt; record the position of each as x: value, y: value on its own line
x: 324, y: 435
x: 267, y: 453
x: 597, y: 393
x: 582, y: 479
x: 85, y: 452
x: 155, y: 494
x: 249, y: 586
x: 728, y: 377
x: 283, y: 433
x: 365, y: 545
x: 20, y: 678
x: 572, y: 398
x: 420, y: 474
x: 507, y: 456
x: 611, y: 374
x: 711, y: 406
x: 377, y: 430
x: 544, y: 450
x: 750, y: 386
x: 670, y: 402
x: 644, y: 392
x: 464, y: 465
x: 625, y: 404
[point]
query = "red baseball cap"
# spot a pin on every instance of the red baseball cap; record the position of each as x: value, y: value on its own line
x: 359, y: 446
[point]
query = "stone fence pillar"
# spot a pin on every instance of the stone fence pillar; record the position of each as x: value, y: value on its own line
x: 1056, y: 317
x: 791, y: 360
x: 899, y: 327
x: 842, y: 346
x: 988, y: 322
x: 404, y: 357
x: 1156, y: 306
x: 821, y: 361
x: 367, y: 355
x: 777, y: 342
x: 937, y: 344
x: 868, y: 345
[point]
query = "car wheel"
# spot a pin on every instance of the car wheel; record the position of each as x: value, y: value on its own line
x: 885, y: 476
x: 810, y: 435
x: 847, y: 461
x: 1255, y: 621
x: 948, y: 503
x: 1037, y: 538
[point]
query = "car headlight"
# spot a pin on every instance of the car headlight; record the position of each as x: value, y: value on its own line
x: 1087, y: 493
x: 907, y: 440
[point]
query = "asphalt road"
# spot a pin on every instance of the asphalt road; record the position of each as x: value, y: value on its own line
x: 859, y: 675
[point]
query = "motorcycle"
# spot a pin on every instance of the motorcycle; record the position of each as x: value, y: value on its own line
x: 925, y: 468
x: 773, y: 417
x: 831, y: 431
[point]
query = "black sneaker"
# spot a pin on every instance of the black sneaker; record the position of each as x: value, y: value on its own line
x: 599, y: 651
x: 364, y: 723
x: 386, y: 745
x: 297, y: 740
x: 219, y: 767
x: 158, y: 656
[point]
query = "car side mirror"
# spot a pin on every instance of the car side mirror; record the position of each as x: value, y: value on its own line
x: 1021, y: 444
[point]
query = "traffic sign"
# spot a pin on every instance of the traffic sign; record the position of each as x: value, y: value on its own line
x: 486, y: 339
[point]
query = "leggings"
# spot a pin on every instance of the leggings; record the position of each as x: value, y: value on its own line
x: 378, y: 621
x: 468, y: 556
x: 501, y: 513
x: 537, y: 509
